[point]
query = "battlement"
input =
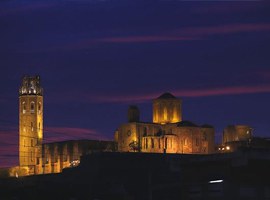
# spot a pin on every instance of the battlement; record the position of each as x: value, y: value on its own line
x: 31, y: 86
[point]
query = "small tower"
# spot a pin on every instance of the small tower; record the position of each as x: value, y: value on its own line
x: 133, y: 114
x: 31, y: 124
x: 167, y: 109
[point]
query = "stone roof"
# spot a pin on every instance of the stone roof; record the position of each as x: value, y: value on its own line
x: 166, y: 95
x: 186, y: 124
x: 207, y: 126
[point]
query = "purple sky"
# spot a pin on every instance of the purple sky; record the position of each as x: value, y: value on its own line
x: 97, y: 57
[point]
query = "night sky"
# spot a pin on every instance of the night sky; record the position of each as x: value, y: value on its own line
x: 97, y: 57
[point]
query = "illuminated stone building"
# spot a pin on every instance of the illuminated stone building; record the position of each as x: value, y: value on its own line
x: 59, y: 155
x: 167, y: 133
x: 234, y: 133
x: 235, y: 136
x: 36, y: 157
x: 31, y: 124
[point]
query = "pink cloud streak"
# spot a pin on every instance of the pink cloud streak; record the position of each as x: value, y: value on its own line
x: 17, y: 9
x: 190, y: 33
x: 146, y: 39
x: 224, y: 29
x: 53, y: 134
x: 234, y: 90
x: 182, y: 34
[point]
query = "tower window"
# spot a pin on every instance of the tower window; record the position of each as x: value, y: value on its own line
x: 23, y: 107
x: 32, y: 107
x: 144, y: 143
x: 32, y: 157
x: 39, y: 107
x: 32, y: 127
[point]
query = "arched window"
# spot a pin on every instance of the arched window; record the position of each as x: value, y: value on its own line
x: 166, y: 143
x: 32, y: 127
x: 32, y: 107
x: 159, y: 143
x: 23, y: 107
x: 146, y: 143
x: 152, y: 143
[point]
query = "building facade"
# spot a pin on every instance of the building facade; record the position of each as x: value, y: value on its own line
x: 167, y: 133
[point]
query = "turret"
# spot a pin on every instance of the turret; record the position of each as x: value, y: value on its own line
x: 133, y: 114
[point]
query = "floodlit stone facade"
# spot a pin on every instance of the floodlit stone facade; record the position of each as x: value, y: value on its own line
x: 167, y: 133
x: 36, y: 157
x: 237, y: 136
x: 237, y: 133
x: 59, y: 155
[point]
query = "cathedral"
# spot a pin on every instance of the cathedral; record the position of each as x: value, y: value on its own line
x: 168, y: 133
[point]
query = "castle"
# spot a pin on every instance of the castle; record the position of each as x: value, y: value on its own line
x: 167, y: 133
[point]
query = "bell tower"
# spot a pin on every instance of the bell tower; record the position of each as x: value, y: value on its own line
x: 31, y: 124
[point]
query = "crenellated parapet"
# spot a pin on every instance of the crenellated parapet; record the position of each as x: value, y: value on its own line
x: 31, y: 86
